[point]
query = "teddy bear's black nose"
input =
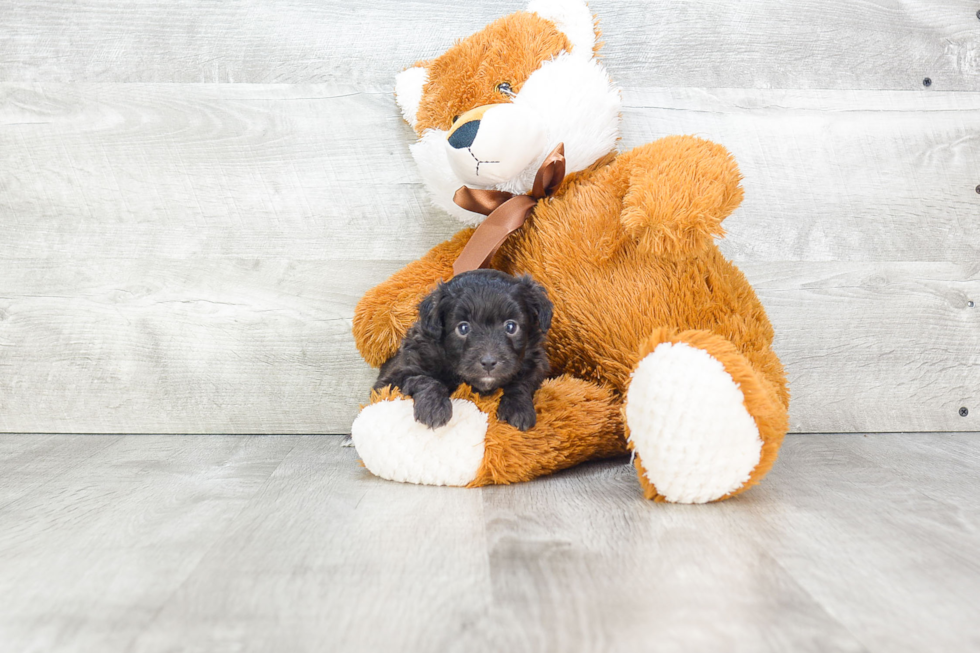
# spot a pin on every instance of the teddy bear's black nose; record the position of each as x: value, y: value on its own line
x: 464, y: 135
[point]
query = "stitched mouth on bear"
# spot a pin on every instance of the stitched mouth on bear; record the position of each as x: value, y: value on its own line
x: 478, y: 161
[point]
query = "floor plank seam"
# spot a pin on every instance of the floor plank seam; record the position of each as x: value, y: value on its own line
x: 218, y: 539
x: 77, y: 463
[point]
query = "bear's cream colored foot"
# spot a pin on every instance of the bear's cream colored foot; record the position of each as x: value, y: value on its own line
x: 576, y: 421
x: 688, y: 425
x: 396, y: 447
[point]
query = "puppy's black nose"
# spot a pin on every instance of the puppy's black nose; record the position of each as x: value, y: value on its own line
x: 488, y: 362
x: 464, y: 135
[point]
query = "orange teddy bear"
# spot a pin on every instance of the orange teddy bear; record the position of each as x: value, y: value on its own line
x: 659, y: 345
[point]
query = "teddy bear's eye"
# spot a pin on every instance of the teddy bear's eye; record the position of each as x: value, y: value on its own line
x: 504, y: 87
x: 455, y: 118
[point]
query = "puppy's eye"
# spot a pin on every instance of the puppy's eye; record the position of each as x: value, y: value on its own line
x: 463, y: 328
x: 511, y: 327
x: 505, y: 89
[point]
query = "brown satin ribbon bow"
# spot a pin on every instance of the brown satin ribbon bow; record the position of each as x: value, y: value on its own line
x: 505, y: 212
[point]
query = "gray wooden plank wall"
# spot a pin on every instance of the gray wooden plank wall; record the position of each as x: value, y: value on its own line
x: 193, y: 195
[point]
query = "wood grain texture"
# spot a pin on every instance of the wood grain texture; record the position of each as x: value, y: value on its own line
x: 185, y: 346
x: 876, y: 346
x: 182, y: 171
x: 863, y: 547
x: 162, y: 543
x: 30, y: 461
x: 135, y: 170
x: 88, y: 558
x: 350, y: 563
x: 868, y: 44
x: 582, y: 565
x: 835, y: 175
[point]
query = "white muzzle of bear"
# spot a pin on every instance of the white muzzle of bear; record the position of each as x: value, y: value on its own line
x: 494, y: 144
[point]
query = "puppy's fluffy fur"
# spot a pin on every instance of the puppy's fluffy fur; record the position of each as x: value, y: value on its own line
x: 484, y: 328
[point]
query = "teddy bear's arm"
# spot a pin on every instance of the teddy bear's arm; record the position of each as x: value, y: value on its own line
x: 680, y: 189
x: 385, y: 313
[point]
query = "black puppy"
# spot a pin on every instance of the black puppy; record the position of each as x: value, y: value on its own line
x: 484, y: 328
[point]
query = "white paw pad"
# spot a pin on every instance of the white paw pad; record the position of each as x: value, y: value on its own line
x: 396, y: 447
x: 689, y: 425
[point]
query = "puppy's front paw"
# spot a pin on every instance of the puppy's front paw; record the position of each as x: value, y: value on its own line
x: 517, y: 411
x: 433, y: 411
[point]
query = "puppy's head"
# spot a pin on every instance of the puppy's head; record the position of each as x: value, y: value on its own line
x: 486, y: 321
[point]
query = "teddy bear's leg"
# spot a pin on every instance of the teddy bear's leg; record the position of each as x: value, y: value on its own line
x: 704, y: 420
x: 577, y: 421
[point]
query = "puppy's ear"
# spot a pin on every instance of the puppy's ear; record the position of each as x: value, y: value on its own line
x: 430, y: 315
x: 537, y: 302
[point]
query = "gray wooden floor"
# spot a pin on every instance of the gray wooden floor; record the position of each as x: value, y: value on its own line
x: 284, y: 543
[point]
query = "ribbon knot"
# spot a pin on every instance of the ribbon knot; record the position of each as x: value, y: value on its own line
x: 505, y: 212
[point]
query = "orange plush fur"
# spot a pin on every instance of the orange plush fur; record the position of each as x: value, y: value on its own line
x: 470, y: 71
x: 626, y: 252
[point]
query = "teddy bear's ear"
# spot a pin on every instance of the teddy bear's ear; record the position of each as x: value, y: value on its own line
x: 408, y: 91
x: 573, y: 18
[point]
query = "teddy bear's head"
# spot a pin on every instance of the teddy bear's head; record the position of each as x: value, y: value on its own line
x: 489, y: 110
